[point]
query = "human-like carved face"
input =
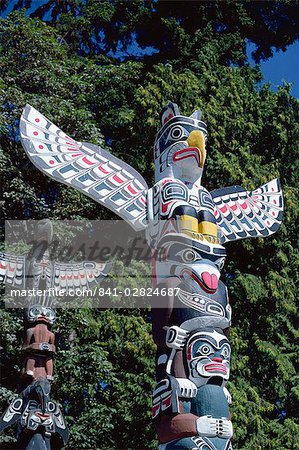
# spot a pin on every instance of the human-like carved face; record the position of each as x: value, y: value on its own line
x: 179, y: 147
x: 41, y: 313
x: 208, y: 356
x: 190, y: 259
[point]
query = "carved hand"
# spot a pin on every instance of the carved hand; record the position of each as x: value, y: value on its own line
x: 209, y: 426
x: 176, y: 337
x: 185, y: 388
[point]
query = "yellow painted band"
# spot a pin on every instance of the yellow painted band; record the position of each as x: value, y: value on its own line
x: 188, y: 223
x: 207, y: 228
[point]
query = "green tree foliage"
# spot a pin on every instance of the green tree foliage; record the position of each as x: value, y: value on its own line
x: 67, y: 68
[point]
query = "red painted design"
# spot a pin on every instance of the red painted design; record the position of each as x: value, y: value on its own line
x: 10, y: 268
x: 155, y: 410
x: 2, y: 266
x: 199, y: 281
x: 37, y: 120
x: 118, y: 179
x: 74, y: 155
x: 274, y: 201
x: 86, y: 160
x: 165, y: 207
x: 273, y: 213
x: 170, y: 116
x: 41, y: 147
x: 102, y: 169
x: 51, y: 161
x: 234, y: 207
x: 244, y: 205
x: 268, y: 222
x: 35, y: 133
x: 130, y: 189
x: 42, y: 416
x: 62, y: 277
x: 192, y: 152
x: 212, y: 367
x: 210, y: 280
x: 223, y: 209
x: 143, y: 200
x: 167, y: 402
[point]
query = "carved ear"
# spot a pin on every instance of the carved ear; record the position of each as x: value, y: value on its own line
x: 168, y: 112
x: 196, y: 115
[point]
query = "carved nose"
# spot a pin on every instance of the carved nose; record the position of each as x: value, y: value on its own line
x: 217, y: 359
x: 210, y: 280
x: 196, y: 139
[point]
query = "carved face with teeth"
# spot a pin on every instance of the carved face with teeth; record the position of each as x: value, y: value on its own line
x: 179, y: 149
x: 208, y: 358
x: 190, y: 259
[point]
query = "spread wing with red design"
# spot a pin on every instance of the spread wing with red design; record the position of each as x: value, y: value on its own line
x: 84, y: 166
x: 241, y: 214
x: 63, y: 276
x: 12, y: 270
x: 79, y: 275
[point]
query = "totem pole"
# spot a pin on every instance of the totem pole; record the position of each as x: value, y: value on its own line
x: 186, y: 227
x: 39, y: 421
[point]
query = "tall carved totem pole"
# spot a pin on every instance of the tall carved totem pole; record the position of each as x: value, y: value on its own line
x: 38, y: 418
x: 186, y: 228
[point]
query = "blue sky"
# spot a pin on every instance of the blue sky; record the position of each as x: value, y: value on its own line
x: 283, y: 66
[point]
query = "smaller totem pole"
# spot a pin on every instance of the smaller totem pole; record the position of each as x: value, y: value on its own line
x: 39, y: 421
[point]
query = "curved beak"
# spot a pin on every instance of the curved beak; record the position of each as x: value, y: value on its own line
x: 196, y: 139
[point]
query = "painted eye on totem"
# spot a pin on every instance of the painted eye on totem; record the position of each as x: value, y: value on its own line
x: 205, y: 350
x: 220, y: 263
x: 189, y: 256
x: 35, y: 311
x: 225, y: 352
x: 51, y: 406
x: 177, y: 133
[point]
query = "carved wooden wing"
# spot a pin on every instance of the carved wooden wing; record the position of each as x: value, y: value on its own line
x: 241, y: 214
x: 84, y: 166
x: 12, y: 270
x: 78, y: 275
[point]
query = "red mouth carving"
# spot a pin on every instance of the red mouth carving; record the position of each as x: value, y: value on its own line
x: 42, y: 317
x: 215, y: 368
x: 210, y: 280
x: 210, y: 286
x: 188, y: 152
x: 42, y: 416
